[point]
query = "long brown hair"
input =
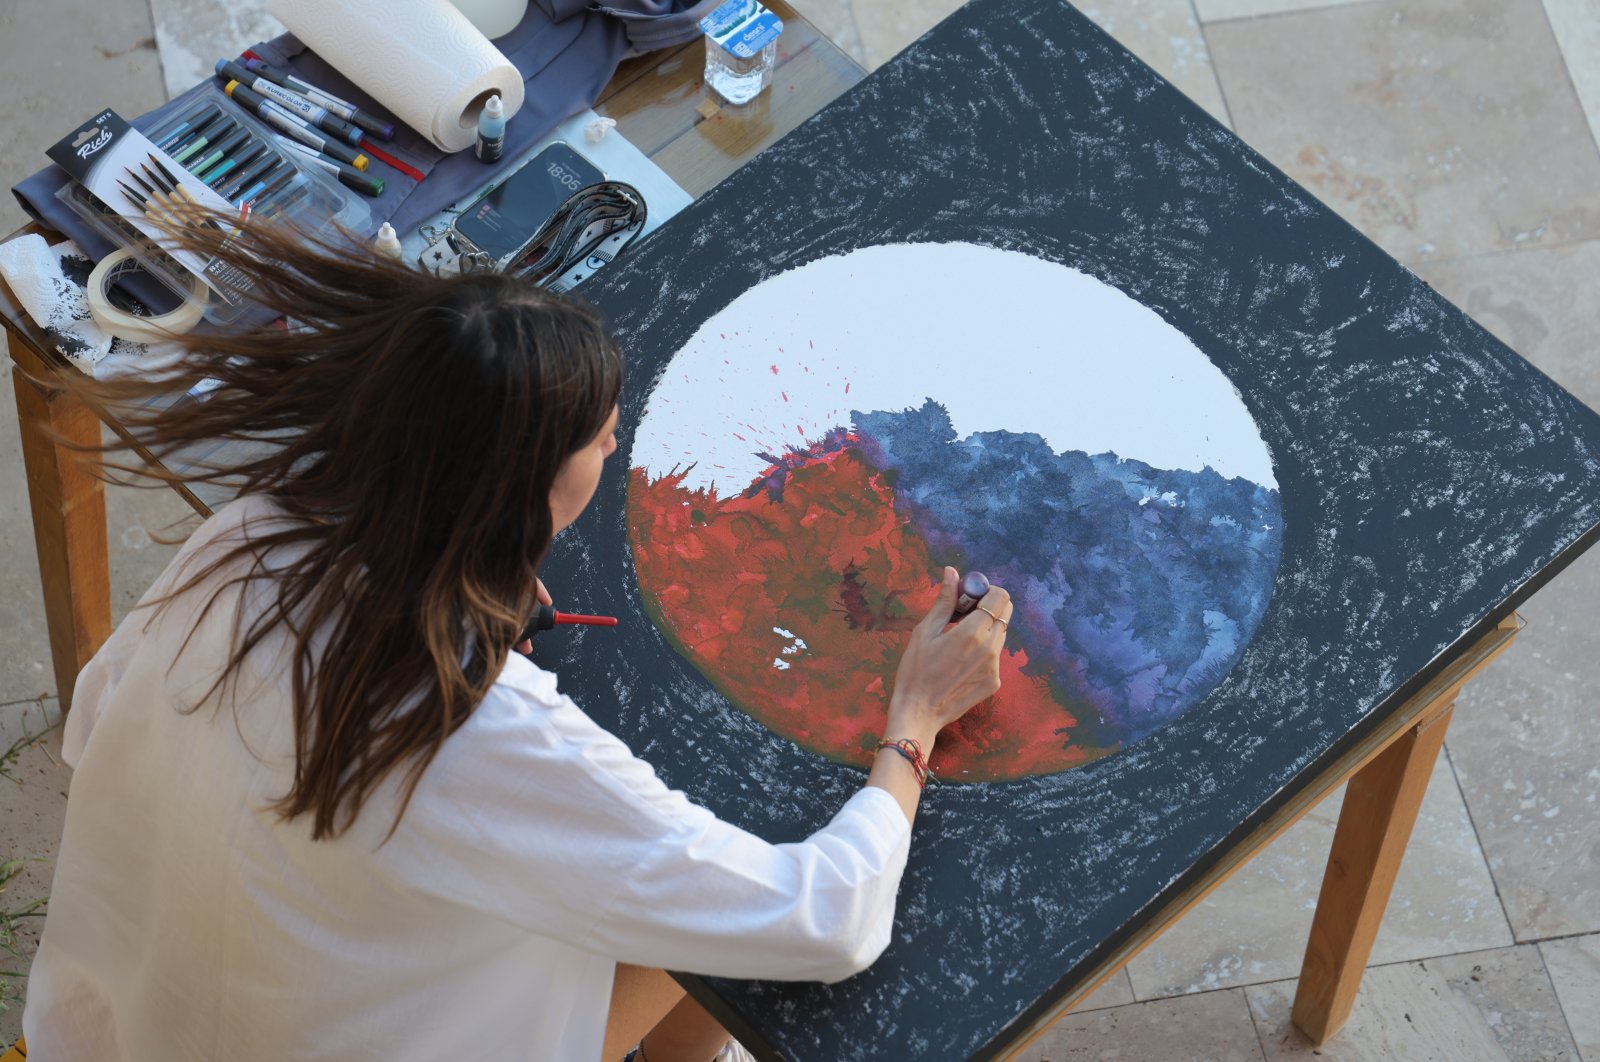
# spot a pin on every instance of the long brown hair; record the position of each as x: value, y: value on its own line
x: 416, y: 426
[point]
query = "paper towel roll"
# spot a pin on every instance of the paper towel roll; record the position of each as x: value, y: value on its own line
x: 421, y: 59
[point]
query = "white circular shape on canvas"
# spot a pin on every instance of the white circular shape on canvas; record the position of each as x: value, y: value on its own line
x: 1003, y: 340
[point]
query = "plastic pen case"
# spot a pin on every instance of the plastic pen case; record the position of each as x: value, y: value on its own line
x: 255, y: 165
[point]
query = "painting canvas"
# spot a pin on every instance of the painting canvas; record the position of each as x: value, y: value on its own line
x: 1016, y: 305
x: 787, y: 536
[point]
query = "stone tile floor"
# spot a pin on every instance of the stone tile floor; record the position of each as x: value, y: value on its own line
x: 1459, y: 134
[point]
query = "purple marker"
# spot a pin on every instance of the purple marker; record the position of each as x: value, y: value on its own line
x: 973, y: 586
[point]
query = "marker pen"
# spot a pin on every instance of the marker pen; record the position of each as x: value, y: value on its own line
x: 247, y: 175
x: 188, y: 136
x: 348, y: 111
x: 279, y: 200
x: 973, y: 586
x: 264, y: 190
x: 192, y: 122
x: 230, y: 165
x: 295, y: 103
x: 348, y: 176
x: 254, y: 103
x: 262, y: 169
x: 225, y: 145
x: 212, y: 134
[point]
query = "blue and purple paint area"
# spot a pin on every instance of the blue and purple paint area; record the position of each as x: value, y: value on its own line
x: 1135, y: 588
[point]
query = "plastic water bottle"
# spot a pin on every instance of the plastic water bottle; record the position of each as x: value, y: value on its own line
x: 741, y: 49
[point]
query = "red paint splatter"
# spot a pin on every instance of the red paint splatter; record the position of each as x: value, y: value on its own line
x: 785, y: 395
x: 774, y: 370
x: 847, y: 387
x: 818, y: 549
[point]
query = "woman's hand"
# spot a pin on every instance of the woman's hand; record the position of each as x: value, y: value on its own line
x: 947, y: 668
x: 526, y: 645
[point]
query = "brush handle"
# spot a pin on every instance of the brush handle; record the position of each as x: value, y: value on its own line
x: 546, y: 617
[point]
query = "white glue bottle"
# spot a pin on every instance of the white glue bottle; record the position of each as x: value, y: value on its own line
x: 387, y: 243
x: 491, y: 131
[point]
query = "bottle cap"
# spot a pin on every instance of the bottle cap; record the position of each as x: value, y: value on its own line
x: 493, y: 108
x: 388, y: 241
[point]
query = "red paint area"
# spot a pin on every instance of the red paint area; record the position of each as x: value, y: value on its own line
x: 817, y: 548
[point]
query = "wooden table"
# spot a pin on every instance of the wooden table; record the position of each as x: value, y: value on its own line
x: 661, y: 107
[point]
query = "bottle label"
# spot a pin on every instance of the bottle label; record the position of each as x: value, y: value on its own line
x: 743, y: 27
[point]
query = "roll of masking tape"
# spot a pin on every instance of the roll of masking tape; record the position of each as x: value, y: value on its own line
x: 125, y: 325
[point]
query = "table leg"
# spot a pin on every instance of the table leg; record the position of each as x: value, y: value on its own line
x: 1380, y: 807
x: 69, y: 526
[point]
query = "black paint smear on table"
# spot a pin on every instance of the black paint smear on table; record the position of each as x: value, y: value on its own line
x: 1431, y: 479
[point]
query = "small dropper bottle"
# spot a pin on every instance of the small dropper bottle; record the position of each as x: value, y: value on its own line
x: 387, y: 243
x: 491, y: 131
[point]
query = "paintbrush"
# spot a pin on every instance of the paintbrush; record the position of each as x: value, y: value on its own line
x: 155, y: 194
x: 140, y: 201
x: 178, y: 198
x: 153, y: 197
x: 143, y: 203
x: 149, y: 189
x: 175, y: 184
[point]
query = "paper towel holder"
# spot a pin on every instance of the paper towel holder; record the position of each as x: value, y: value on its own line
x: 492, y: 18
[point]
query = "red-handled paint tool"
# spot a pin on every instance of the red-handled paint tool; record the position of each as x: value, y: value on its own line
x: 547, y: 617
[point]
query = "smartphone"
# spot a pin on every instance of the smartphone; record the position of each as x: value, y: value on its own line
x: 501, y: 223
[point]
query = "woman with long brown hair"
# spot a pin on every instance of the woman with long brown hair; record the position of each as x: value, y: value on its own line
x: 322, y: 810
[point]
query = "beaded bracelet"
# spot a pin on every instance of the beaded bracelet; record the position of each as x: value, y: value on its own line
x: 912, y: 752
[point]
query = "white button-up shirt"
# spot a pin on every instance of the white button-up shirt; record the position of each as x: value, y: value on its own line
x: 187, y: 922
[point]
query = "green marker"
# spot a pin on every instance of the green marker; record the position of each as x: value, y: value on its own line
x: 348, y: 176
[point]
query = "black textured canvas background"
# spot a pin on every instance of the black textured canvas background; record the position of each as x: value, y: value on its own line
x: 1430, y: 480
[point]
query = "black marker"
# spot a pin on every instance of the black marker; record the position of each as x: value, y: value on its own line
x: 348, y: 176
x: 192, y: 122
x: 229, y: 165
x: 265, y: 189
x: 249, y: 177
x: 220, y: 152
x: 291, y: 125
x: 376, y: 126
x: 291, y: 101
x: 973, y: 586
x: 280, y: 201
x: 210, y: 134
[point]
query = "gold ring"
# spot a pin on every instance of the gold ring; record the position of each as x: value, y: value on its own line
x: 992, y: 616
